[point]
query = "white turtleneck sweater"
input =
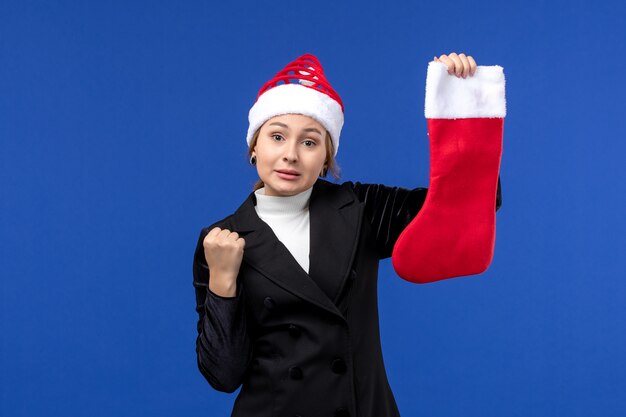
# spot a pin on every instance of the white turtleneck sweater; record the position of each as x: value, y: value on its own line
x: 289, y: 219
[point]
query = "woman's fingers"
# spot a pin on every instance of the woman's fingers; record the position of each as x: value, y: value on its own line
x: 217, y: 235
x: 214, y: 232
x: 223, y: 234
x: 450, y: 63
x: 212, y: 235
x: 466, y: 65
x: 458, y: 64
x: 472, y: 65
x: 223, y: 250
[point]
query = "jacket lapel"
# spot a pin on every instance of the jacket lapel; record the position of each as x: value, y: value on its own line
x: 334, y: 221
x: 335, y: 218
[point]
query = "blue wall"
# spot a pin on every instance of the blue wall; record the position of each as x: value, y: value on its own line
x: 122, y: 133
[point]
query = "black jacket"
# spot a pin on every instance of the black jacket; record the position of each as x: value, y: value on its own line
x: 306, y: 344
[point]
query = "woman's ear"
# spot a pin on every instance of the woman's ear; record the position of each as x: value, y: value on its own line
x: 324, y: 170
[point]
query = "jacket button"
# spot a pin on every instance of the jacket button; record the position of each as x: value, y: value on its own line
x: 339, y: 366
x: 341, y: 412
x: 294, y: 330
x: 295, y: 372
x: 269, y: 303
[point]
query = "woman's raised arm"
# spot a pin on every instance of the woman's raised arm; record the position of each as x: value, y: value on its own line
x: 223, y: 346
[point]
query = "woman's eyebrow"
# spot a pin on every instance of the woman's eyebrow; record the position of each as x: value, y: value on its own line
x: 308, y: 129
x: 312, y: 129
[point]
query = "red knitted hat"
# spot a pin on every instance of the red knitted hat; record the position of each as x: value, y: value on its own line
x: 301, y: 88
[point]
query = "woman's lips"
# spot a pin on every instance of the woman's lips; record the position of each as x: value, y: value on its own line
x: 287, y: 175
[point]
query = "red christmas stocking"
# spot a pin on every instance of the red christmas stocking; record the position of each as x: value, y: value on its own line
x: 454, y: 232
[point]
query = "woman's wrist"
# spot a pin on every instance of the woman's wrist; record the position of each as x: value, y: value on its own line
x: 223, y: 287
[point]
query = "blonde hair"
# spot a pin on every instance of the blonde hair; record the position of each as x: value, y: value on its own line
x: 331, y: 162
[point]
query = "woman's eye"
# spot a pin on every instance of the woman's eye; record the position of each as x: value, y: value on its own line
x: 277, y: 136
x: 309, y: 142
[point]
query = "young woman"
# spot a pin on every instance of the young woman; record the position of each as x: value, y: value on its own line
x: 286, y: 286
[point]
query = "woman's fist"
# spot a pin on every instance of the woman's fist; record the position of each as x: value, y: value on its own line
x: 223, y: 251
x: 459, y: 65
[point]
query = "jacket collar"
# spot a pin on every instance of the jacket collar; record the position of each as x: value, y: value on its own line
x: 334, y: 223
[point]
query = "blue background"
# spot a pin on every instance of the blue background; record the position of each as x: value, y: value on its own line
x: 122, y: 127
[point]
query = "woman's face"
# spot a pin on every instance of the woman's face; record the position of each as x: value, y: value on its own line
x: 290, y: 153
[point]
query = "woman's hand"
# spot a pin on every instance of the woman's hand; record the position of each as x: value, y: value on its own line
x: 459, y: 65
x: 223, y: 251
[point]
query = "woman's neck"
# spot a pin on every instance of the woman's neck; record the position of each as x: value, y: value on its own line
x: 281, y: 205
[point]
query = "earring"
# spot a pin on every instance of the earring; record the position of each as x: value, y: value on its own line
x: 253, y: 160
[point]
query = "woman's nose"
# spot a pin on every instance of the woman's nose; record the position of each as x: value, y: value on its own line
x: 291, y: 153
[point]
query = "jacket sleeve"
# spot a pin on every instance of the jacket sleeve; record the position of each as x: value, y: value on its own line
x: 498, y: 195
x: 223, y: 346
x: 389, y: 210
